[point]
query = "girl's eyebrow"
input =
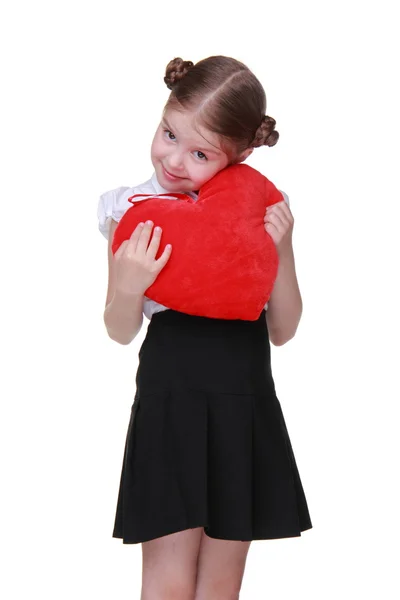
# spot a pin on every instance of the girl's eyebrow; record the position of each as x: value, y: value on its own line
x: 164, y: 120
x: 202, y: 149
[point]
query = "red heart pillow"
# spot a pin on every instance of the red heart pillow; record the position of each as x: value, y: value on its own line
x: 223, y: 262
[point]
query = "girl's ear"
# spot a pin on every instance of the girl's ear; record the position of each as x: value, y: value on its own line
x: 245, y: 155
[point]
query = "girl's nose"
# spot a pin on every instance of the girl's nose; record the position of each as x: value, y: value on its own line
x: 175, y: 160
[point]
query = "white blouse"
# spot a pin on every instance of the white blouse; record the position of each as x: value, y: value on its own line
x: 114, y: 203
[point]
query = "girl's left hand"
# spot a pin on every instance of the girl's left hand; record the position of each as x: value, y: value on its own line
x: 279, y: 224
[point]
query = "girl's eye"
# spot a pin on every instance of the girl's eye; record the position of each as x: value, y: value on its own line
x: 169, y: 134
x: 201, y: 155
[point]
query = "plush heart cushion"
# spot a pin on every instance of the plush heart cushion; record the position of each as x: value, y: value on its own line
x: 223, y: 263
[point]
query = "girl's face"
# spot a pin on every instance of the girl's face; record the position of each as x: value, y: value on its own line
x: 183, y: 157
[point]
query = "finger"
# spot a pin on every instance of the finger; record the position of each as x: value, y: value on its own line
x: 154, y: 243
x: 275, y: 204
x: 276, y: 208
x: 120, y: 249
x: 281, y: 208
x: 277, y: 221
x: 134, y: 237
x: 271, y: 230
x: 136, y: 231
x: 144, y: 238
x: 283, y: 213
x: 164, y: 258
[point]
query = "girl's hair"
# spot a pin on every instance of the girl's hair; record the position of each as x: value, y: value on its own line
x: 228, y: 98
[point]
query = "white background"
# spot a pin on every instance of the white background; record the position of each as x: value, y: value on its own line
x: 82, y: 93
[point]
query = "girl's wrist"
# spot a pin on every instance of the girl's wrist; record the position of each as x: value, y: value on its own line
x: 128, y: 296
x: 286, y: 252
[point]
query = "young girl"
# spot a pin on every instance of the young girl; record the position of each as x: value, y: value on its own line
x: 208, y: 464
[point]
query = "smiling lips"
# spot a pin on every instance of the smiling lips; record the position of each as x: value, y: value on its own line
x: 170, y: 176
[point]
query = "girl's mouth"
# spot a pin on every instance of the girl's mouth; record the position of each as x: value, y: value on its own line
x: 171, y: 177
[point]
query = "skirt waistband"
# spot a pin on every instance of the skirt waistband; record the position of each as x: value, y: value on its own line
x: 186, y: 351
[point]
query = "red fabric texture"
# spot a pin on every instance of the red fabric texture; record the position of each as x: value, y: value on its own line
x: 223, y: 263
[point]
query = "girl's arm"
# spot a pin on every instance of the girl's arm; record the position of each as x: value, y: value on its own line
x: 285, y: 305
x: 123, y: 315
x: 132, y: 270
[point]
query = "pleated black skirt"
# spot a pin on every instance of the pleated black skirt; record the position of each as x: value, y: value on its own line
x: 207, y: 444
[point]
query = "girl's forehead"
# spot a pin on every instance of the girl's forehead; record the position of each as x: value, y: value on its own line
x: 186, y: 126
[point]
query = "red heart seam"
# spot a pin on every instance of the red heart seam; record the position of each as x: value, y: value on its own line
x: 223, y: 262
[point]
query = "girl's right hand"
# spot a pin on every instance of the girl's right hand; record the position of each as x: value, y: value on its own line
x: 135, y: 264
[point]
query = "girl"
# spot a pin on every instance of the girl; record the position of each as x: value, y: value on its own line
x: 208, y: 464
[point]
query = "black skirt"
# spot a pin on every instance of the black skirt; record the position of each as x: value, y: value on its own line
x: 207, y: 445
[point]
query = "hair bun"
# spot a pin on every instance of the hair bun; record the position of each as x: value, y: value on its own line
x: 176, y: 71
x: 266, y: 134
